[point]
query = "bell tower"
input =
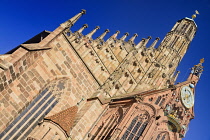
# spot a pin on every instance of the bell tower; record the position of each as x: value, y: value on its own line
x: 175, y: 44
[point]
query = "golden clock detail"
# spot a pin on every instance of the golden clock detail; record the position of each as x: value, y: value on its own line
x: 187, y: 96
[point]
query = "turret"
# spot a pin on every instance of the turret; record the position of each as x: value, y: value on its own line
x: 133, y: 38
x: 123, y: 37
x: 92, y: 32
x: 147, y: 40
x: 82, y: 28
x: 73, y: 20
x: 141, y: 43
x: 154, y: 43
x: 115, y: 35
x: 104, y: 34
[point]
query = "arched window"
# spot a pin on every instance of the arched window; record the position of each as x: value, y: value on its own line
x: 189, y: 31
x: 136, y: 128
x: 162, y: 101
x: 158, y: 100
x: 28, y: 119
x: 161, y: 136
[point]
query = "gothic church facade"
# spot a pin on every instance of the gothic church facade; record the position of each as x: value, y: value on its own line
x: 65, y: 85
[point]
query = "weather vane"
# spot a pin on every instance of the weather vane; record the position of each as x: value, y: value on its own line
x: 194, y: 15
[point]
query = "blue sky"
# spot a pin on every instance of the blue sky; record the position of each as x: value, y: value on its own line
x: 21, y: 20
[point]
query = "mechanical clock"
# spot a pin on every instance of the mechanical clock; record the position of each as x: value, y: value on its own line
x: 187, y: 96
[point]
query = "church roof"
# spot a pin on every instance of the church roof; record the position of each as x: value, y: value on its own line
x: 65, y: 119
x: 34, y: 40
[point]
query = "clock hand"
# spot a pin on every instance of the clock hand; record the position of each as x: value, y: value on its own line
x: 186, y: 96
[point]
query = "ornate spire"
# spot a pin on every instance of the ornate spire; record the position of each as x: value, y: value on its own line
x: 147, y: 40
x: 92, y: 32
x: 141, y: 43
x: 198, y: 69
x: 73, y: 20
x: 103, y: 35
x: 82, y: 28
x: 116, y: 34
x: 125, y: 35
x: 133, y: 37
x: 154, y: 43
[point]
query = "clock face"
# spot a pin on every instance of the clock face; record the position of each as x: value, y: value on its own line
x: 187, y: 97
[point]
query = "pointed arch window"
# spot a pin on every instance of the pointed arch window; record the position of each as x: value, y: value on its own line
x: 28, y: 119
x: 158, y: 100
x: 136, y: 128
x: 104, y: 129
x: 184, y: 28
x: 161, y: 136
x: 158, y: 137
x: 162, y: 102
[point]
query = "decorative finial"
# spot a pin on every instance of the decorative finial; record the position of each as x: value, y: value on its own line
x: 105, y: 32
x: 140, y: 44
x: 92, y: 32
x: 115, y: 35
x: 82, y: 28
x: 125, y: 35
x: 147, y: 40
x: 133, y: 37
x: 154, y: 43
x: 202, y: 60
x: 194, y: 15
x: 73, y: 20
x: 198, y: 69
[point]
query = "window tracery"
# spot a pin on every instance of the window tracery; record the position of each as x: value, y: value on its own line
x: 158, y: 100
x: 104, y: 129
x: 136, y: 127
x: 161, y: 136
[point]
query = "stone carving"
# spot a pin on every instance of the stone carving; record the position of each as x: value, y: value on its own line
x: 115, y: 76
x: 139, y: 98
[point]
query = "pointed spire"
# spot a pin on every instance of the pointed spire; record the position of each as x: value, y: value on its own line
x: 147, y: 40
x: 103, y: 35
x: 133, y: 37
x: 141, y: 43
x: 154, y: 43
x: 116, y: 34
x: 125, y: 35
x: 175, y: 76
x: 82, y: 28
x: 73, y: 20
x: 92, y: 32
